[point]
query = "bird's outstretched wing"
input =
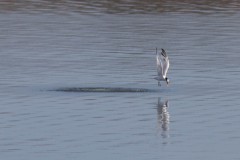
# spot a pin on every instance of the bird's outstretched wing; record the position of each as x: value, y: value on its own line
x: 165, y: 63
x: 159, y: 64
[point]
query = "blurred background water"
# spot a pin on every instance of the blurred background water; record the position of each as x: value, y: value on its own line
x: 46, y: 45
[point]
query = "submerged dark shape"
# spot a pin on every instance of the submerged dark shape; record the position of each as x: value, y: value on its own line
x: 101, y: 89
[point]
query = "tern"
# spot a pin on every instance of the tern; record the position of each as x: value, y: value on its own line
x: 162, y: 66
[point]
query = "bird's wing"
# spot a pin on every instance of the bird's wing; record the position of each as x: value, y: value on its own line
x: 159, y: 65
x: 165, y: 63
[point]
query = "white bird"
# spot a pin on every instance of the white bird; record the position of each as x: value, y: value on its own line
x: 162, y: 67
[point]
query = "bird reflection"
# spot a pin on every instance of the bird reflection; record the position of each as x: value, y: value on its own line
x: 163, y: 116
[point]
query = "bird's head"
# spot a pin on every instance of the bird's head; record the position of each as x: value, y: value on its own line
x: 167, y: 80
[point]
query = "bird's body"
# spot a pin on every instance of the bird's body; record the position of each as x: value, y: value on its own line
x: 162, y: 66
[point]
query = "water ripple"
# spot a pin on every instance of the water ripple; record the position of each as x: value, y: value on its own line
x: 102, y: 89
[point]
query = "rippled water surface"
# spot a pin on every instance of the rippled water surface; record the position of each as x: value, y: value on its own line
x: 46, y: 47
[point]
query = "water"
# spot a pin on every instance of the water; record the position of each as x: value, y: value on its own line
x: 48, y: 46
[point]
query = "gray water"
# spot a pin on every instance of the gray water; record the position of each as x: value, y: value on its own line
x: 47, y: 46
